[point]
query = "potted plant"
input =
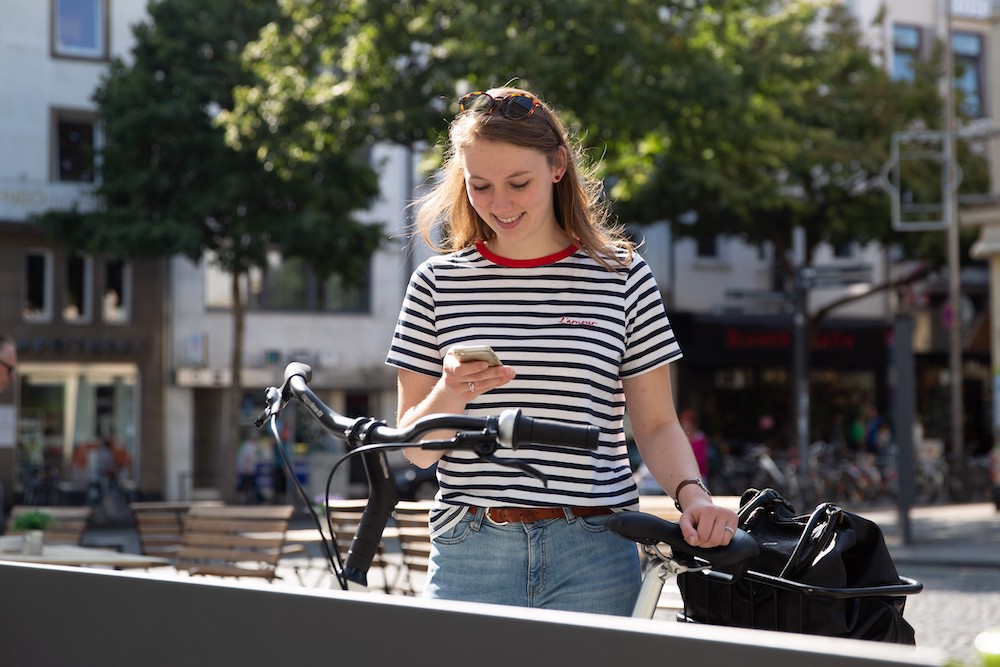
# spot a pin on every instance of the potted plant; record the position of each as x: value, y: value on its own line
x: 33, y: 524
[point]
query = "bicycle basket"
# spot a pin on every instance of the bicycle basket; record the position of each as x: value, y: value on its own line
x: 825, y: 573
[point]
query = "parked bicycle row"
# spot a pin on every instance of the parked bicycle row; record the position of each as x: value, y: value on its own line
x: 854, y: 478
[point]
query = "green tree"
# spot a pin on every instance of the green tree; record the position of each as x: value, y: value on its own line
x: 169, y: 183
x: 759, y: 117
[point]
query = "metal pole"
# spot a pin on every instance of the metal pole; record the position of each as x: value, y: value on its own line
x: 801, y: 381
x: 950, y: 210
x: 904, y: 412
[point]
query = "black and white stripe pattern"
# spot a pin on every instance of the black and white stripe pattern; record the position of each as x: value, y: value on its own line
x: 571, y: 329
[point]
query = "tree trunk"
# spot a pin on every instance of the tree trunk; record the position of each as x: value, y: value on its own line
x: 235, y: 433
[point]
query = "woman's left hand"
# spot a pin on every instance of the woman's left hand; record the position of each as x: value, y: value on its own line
x: 705, y: 524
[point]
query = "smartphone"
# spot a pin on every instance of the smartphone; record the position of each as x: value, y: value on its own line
x: 477, y: 353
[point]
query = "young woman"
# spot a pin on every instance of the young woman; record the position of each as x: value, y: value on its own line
x: 534, y: 270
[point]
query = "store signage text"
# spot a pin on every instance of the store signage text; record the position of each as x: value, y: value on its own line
x: 79, y: 345
x: 742, y: 339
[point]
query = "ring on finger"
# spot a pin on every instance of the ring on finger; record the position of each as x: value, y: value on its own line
x: 472, y: 387
x: 730, y: 530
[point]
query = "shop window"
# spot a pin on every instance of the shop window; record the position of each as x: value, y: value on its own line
x: 117, y: 292
x: 69, y: 411
x: 78, y: 288
x: 906, y: 45
x: 968, y: 50
x: 74, y: 144
x: 79, y: 29
x: 37, y: 304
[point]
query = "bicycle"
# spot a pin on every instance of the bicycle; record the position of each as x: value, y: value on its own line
x: 370, y: 438
x: 111, y: 499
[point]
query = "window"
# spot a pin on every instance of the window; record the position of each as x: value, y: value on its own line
x: 75, y: 141
x: 291, y: 285
x: 844, y: 250
x: 968, y: 49
x: 78, y: 289
x: 708, y: 247
x: 66, y: 409
x: 117, y: 292
x: 905, y: 51
x: 37, y: 306
x: 79, y: 29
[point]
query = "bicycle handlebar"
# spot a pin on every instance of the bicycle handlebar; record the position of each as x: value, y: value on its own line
x: 511, y: 429
x: 649, y: 529
x: 483, y: 435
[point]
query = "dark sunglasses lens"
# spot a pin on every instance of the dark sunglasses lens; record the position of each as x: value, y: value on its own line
x: 475, y: 102
x: 518, y: 106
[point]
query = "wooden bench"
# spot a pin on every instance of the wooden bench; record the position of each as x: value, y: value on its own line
x: 344, y: 516
x: 160, y: 525
x: 71, y: 522
x: 234, y: 541
x: 414, y: 542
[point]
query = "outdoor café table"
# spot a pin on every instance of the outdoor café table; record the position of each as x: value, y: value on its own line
x: 71, y: 554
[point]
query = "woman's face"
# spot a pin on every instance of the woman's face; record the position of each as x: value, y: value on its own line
x: 511, y: 189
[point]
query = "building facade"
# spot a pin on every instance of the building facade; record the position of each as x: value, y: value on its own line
x: 89, y: 328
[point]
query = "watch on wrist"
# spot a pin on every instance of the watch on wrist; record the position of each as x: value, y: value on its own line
x: 677, y: 493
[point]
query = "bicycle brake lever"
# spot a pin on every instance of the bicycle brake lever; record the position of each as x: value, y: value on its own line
x: 272, y: 406
x: 520, y: 465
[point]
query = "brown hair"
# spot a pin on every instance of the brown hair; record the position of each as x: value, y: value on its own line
x: 581, y: 210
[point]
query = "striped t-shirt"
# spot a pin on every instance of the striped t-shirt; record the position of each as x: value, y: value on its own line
x: 571, y: 329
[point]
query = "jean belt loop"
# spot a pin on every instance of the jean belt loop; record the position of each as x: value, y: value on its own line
x: 570, y: 517
x: 477, y: 518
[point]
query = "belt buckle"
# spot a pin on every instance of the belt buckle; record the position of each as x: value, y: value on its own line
x: 492, y: 520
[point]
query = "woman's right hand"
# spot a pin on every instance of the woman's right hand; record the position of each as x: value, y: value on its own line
x: 470, y: 379
x: 420, y: 395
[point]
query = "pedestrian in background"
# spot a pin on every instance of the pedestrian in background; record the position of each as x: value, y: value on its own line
x: 698, y: 440
x: 247, y: 489
x: 535, y: 269
x: 8, y: 360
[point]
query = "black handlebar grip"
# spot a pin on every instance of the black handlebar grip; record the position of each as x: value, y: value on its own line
x: 518, y: 430
x: 651, y: 529
x: 382, y: 498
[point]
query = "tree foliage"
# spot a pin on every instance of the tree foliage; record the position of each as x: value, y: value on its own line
x: 758, y: 116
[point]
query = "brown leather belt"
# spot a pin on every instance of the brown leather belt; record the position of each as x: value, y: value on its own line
x: 501, y: 515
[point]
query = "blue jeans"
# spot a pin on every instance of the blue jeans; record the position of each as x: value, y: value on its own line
x: 572, y: 563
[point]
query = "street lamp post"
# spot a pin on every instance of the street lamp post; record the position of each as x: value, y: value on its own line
x: 949, y: 204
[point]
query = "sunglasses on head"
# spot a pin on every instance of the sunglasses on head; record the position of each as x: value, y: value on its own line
x: 516, y: 106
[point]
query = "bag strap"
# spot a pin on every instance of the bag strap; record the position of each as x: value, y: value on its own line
x: 753, y: 500
x: 819, y: 531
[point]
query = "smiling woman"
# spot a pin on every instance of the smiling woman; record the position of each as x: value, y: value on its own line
x: 535, y: 271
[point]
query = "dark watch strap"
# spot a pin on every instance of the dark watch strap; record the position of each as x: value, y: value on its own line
x: 677, y: 493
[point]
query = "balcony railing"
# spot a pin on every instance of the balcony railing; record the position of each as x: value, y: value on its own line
x: 19, y: 199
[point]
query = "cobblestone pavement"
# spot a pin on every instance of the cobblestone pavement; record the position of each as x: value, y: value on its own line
x: 955, y: 605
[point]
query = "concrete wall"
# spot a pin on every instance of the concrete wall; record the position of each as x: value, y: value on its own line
x: 46, y: 619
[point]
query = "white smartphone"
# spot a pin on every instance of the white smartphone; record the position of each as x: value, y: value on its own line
x: 476, y: 353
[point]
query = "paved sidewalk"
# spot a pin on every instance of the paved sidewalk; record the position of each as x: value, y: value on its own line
x: 966, y: 535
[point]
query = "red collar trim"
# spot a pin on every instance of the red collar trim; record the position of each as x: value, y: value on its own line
x: 524, y: 263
